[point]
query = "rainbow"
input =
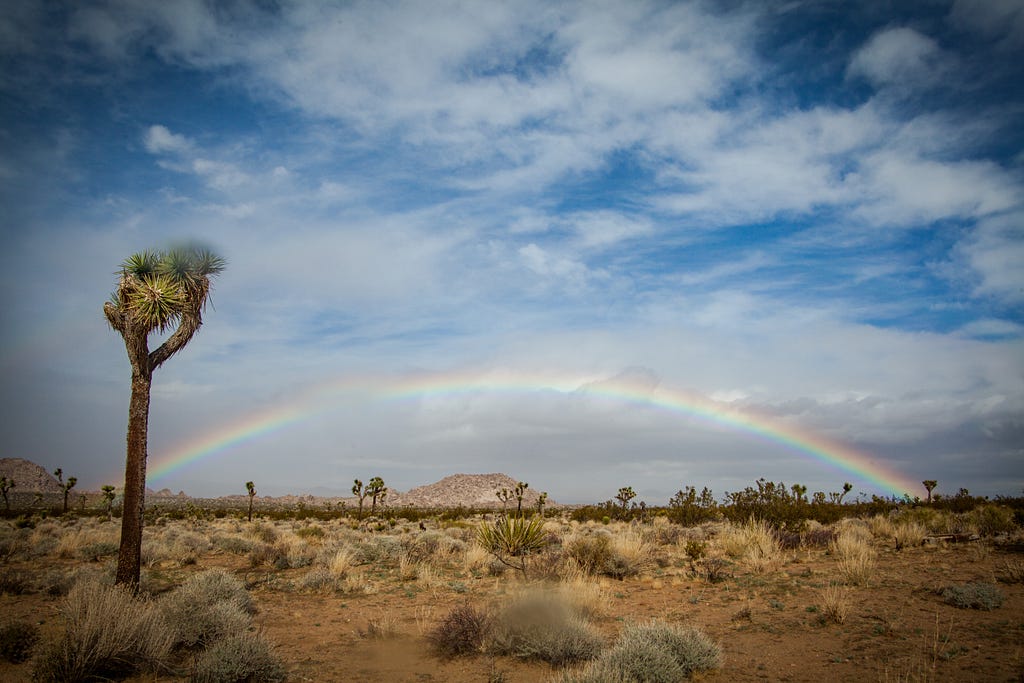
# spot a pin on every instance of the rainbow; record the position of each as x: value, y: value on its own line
x: 622, y: 390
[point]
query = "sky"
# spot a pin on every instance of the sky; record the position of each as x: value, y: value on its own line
x: 585, y: 244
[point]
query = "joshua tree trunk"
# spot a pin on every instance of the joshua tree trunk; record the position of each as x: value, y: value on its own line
x: 129, y: 556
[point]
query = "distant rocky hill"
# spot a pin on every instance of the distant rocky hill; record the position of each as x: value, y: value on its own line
x: 28, y: 476
x: 469, y: 490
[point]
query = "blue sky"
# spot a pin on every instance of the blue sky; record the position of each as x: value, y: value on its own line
x: 806, y: 210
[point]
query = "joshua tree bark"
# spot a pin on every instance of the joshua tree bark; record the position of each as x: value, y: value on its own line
x: 156, y: 291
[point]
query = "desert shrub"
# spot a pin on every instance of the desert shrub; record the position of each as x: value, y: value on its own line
x: 263, y: 533
x: 108, y: 634
x: 629, y: 556
x: 233, y: 544
x: 267, y: 554
x: 17, y: 640
x: 712, y: 569
x: 981, y: 595
x: 696, y: 549
x: 206, y: 608
x: 591, y: 552
x: 244, y: 658
x: 310, y: 532
x: 13, y: 583
x: 653, y: 652
x: 817, y: 538
x: 461, y: 632
x: 992, y: 519
x: 538, y: 626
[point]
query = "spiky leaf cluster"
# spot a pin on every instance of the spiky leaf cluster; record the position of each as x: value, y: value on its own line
x: 157, y: 288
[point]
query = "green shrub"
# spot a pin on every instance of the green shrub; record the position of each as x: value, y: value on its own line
x: 206, y: 608
x: 310, y: 532
x: 653, y: 652
x: 992, y: 519
x: 17, y: 640
x: 108, y: 634
x: 244, y: 658
x: 462, y: 632
x: 983, y: 596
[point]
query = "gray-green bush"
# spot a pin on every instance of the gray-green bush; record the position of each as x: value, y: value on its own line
x: 542, y: 627
x: 206, y: 608
x: 983, y: 596
x: 245, y: 657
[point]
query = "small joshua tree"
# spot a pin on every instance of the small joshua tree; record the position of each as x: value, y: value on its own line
x: 625, y: 495
x: 5, y: 486
x: 251, y: 489
x: 377, y: 492
x: 360, y: 492
x: 519, y: 492
x: 65, y: 486
x: 504, y: 495
x: 108, y: 497
x: 542, y: 499
x: 799, y: 490
x: 930, y: 484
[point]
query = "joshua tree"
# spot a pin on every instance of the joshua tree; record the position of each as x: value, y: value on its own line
x: 625, y: 495
x: 377, y: 492
x: 5, y: 486
x: 156, y: 291
x: 930, y: 484
x: 847, y: 487
x: 504, y: 495
x: 799, y: 490
x: 251, y: 488
x: 108, y: 496
x: 361, y: 493
x: 519, y: 492
x: 542, y: 499
x: 65, y: 486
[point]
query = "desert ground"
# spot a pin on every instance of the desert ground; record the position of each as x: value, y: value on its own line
x: 343, y: 600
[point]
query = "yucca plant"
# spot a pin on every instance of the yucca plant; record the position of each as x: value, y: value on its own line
x: 156, y: 291
x: 512, y: 539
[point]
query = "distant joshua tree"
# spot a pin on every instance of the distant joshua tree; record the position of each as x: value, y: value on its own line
x: 519, y: 492
x: 542, y: 500
x: 799, y: 490
x: 625, y: 495
x: 108, y: 496
x: 930, y: 484
x: 251, y: 488
x: 361, y: 493
x: 5, y: 486
x: 377, y: 492
x: 65, y: 486
x: 504, y: 495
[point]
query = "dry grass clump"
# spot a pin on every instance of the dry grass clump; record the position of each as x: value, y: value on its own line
x: 835, y: 603
x: 618, y: 555
x: 752, y: 543
x: 245, y: 657
x: 1012, y: 571
x: 882, y: 526
x: 538, y: 625
x: 856, y: 557
x: 652, y: 652
x: 108, y: 634
x: 88, y: 543
x: 908, y: 534
x: 475, y: 558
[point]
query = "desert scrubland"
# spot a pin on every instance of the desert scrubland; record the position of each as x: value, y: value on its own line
x: 912, y: 594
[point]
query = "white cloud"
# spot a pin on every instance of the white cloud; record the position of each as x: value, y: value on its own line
x: 901, y: 58
x: 995, y: 252
x: 159, y: 140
